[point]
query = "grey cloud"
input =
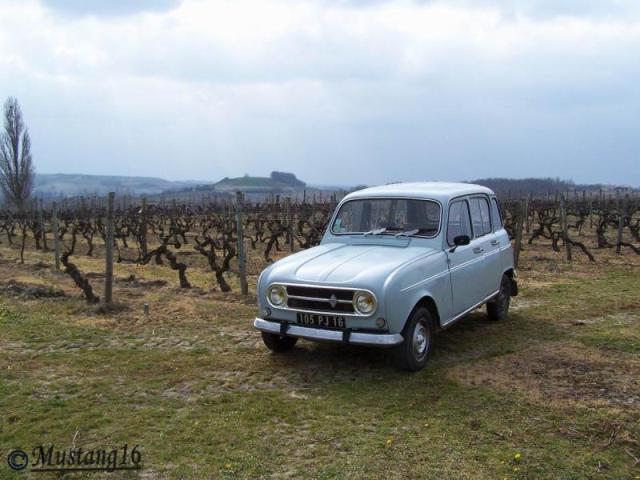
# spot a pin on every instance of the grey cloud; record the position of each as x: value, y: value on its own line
x: 530, y: 8
x: 558, y: 8
x: 335, y: 106
x: 108, y: 7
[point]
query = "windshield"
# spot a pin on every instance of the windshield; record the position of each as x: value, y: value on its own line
x: 388, y: 216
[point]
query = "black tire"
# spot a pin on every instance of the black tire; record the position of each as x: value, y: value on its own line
x: 498, y: 308
x: 412, y: 353
x: 278, y: 344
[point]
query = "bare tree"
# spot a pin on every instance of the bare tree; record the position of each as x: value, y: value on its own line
x: 17, y: 174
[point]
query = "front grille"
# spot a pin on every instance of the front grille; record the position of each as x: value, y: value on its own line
x: 326, y: 300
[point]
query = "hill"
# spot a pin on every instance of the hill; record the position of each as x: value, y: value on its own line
x: 70, y: 185
x: 277, y: 182
x: 54, y: 185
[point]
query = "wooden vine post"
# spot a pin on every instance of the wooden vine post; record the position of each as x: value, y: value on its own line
x: 518, y: 235
x: 527, y: 224
x: 621, y: 208
x: 56, y: 239
x: 108, y: 271
x: 590, y: 209
x: 290, y: 223
x: 143, y: 228
x: 43, y: 229
x: 563, y: 224
x: 242, y: 261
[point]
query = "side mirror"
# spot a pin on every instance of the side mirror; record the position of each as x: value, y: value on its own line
x: 459, y: 241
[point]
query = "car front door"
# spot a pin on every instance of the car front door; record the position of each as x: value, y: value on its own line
x: 485, y: 243
x: 466, y: 264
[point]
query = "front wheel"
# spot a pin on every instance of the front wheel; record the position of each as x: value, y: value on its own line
x: 498, y: 308
x: 418, y: 335
x: 278, y: 344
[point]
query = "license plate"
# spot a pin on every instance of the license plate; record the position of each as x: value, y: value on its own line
x: 319, y: 320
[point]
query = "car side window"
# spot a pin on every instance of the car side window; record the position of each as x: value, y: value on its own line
x: 486, y: 218
x: 495, y: 215
x: 459, y: 223
x: 480, y: 216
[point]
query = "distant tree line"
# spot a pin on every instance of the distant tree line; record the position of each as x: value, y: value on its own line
x: 532, y: 185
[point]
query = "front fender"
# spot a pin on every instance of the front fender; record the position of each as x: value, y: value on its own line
x: 406, y: 287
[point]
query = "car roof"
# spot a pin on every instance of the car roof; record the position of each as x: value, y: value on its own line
x: 441, y: 191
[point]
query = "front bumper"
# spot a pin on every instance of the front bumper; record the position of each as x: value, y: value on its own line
x: 319, y: 334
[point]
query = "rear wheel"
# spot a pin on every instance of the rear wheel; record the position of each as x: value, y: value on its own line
x: 276, y: 343
x: 498, y: 308
x: 418, y: 335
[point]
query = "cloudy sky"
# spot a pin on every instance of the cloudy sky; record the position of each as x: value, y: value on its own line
x: 339, y: 92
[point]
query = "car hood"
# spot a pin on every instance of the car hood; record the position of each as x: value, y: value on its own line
x: 339, y: 263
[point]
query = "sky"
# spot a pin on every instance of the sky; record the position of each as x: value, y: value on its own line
x: 339, y: 92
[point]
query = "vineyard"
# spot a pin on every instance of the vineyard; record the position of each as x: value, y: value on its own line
x: 205, y: 236
x: 147, y: 339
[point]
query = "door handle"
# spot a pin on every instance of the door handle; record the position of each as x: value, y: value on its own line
x: 495, y: 242
x: 478, y: 250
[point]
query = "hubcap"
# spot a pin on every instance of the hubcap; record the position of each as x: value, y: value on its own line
x: 420, y: 341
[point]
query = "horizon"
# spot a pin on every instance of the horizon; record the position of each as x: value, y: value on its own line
x: 339, y: 185
x: 347, y: 92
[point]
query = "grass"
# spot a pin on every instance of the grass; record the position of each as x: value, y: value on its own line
x: 551, y: 393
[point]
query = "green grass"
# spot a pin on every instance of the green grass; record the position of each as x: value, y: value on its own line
x: 193, y: 386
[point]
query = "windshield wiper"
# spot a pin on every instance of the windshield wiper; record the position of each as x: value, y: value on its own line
x: 380, y: 231
x: 377, y: 231
x: 408, y: 233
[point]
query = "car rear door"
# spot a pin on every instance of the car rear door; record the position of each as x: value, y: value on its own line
x: 502, y: 237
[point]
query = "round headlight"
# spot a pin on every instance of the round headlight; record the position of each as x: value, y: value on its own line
x: 364, y: 303
x: 277, y: 295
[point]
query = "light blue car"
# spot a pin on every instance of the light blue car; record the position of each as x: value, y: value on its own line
x: 397, y: 263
